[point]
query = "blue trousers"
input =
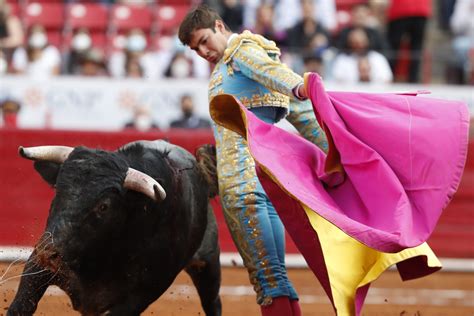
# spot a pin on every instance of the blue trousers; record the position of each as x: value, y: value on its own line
x: 252, y: 220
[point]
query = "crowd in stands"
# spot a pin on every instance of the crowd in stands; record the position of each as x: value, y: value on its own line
x: 346, y: 41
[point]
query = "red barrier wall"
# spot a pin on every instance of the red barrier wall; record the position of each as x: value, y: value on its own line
x: 25, y: 197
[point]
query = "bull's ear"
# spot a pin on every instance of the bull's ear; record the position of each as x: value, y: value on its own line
x: 48, y: 171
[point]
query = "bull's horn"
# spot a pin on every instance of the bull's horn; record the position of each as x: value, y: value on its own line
x: 56, y: 154
x: 141, y: 182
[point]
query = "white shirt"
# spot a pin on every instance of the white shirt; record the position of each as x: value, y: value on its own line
x: 148, y: 62
x: 345, y: 68
x: 40, y: 68
x: 462, y: 20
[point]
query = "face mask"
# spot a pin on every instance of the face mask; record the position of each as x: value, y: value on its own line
x: 136, y: 43
x: 143, y: 123
x: 81, y: 42
x: 188, y: 113
x: 9, y: 120
x: 38, y: 40
x: 3, y: 66
x: 180, y: 69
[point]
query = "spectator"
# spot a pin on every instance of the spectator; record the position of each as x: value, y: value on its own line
x: 81, y: 42
x: 180, y: 66
x: 168, y: 49
x: 92, y: 63
x: 10, y: 110
x: 359, y: 63
x: 361, y: 16
x: 39, y: 59
x: 142, y: 120
x: 3, y: 64
x: 289, y: 12
x: 462, y: 25
x: 308, y: 35
x: 249, y: 13
x: 189, y: 119
x: 11, y: 31
x: 407, y: 19
x: 233, y: 14
x: 364, y: 69
x: 445, y: 9
x: 135, y: 50
x: 313, y: 63
x: 264, y: 24
x: 133, y: 69
x: 379, y: 12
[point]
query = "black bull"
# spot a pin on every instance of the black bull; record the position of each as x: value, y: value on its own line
x: 121, y: 226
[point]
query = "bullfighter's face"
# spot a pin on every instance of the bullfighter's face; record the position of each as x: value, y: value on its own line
x: 210, y: 44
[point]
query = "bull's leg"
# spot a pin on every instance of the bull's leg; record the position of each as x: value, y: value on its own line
x: 206, y: 277
x: 205, y: 270
x: 33, y: 284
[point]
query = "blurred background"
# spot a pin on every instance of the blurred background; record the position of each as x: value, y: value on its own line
x: 103, y: 73
x: 99, y: 65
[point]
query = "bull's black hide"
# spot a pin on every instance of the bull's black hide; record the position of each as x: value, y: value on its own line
x: 114, y: 250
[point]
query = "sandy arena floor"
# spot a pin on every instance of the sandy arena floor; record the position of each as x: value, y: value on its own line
x: 441, y: 294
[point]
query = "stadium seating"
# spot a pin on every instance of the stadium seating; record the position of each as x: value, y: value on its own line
x: 50, y: 15
x: 346, y: 5
x: 169, y: 17
x: 124, y: 18
x: 92, y: 16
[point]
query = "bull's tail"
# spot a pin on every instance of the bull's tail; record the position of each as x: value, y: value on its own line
x: 206, y: 157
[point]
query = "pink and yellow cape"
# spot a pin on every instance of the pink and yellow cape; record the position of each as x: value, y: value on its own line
x: 394, y: 163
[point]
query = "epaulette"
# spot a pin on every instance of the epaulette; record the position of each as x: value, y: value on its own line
x: 249, y: 37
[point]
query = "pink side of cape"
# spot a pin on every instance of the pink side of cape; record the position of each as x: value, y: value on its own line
x: 403, y: 158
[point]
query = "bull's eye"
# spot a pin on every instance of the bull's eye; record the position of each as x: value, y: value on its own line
x: 103, y: 207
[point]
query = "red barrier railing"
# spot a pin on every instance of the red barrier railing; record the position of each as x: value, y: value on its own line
x: 25, y: 197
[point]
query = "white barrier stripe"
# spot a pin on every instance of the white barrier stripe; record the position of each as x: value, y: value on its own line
x: 233, y: 259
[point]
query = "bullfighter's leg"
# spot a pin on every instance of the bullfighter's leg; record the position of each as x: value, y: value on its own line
x: 33, y: 284
x: 255, y: 227
x: 205, y: 269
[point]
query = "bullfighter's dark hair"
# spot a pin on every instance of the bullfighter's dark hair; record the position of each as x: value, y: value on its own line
x: 201, y: 17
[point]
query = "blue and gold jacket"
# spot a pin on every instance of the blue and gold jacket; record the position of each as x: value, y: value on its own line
x: 251, y: 70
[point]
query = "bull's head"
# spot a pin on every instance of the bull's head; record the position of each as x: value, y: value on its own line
x: 135, y: 180
x: 89, y: 186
